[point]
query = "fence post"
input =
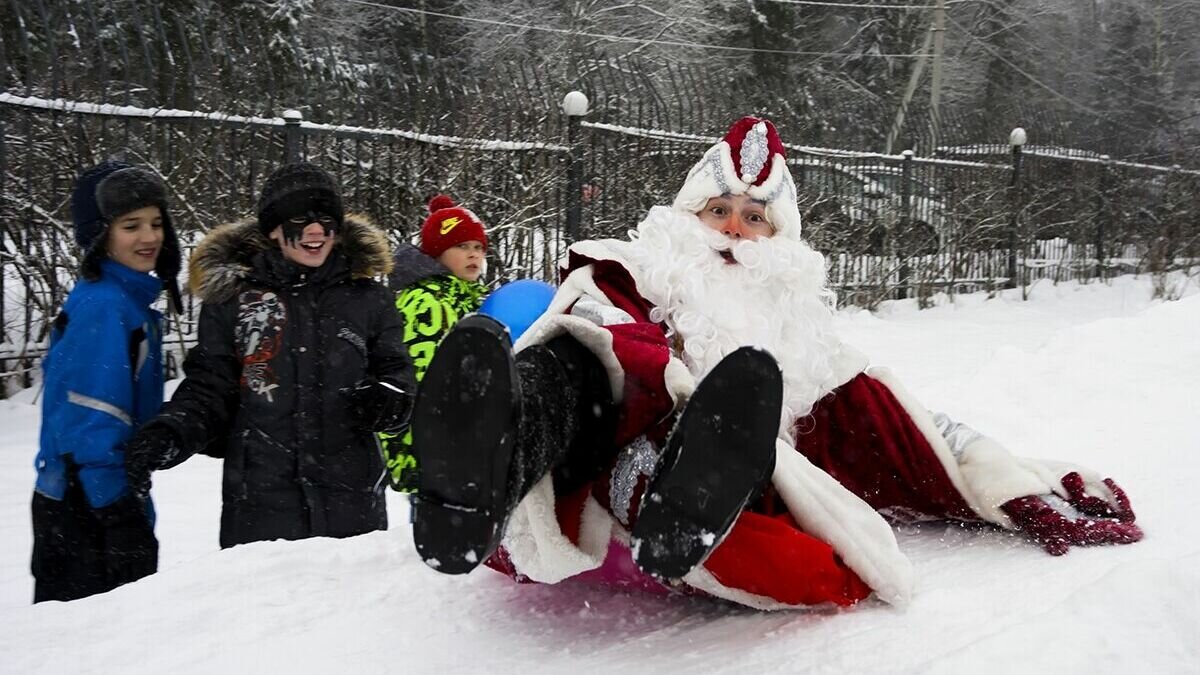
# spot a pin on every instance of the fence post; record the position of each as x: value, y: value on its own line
x: 1016, y: 139
x: 3, y: 271
x: 575, y: 107
x: 905, y: 221
x: 291, y: 135
x: 1102, y: 215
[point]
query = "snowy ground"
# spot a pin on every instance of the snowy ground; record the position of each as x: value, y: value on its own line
x: 1097, y: 374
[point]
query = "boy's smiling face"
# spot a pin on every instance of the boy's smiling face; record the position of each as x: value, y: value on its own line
x: 311, y: 246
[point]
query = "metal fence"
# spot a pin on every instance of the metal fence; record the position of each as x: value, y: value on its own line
x: 973, y: 217
x: 214, y: 165
x: 970, y: 217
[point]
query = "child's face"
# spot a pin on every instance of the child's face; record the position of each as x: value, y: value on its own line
x: 311, y: 248
x: 465, y: 260
x: 135, y: 238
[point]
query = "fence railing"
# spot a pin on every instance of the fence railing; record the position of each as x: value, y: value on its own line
x: 972, y: 217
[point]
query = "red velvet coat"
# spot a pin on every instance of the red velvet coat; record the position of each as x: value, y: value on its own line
x: 815, y: 537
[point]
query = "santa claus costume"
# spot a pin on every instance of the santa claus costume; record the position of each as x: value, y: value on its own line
x: 625, y: 439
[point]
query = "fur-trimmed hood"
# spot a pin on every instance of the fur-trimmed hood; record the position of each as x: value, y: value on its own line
x: 223, y: 261
x: 413, y: 265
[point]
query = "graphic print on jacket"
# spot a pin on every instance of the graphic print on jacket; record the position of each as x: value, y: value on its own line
x: 262, y: 318
x: 430, y: 309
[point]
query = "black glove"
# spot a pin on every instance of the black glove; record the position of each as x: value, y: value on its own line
x: 130, y: 548
x: 153, y: 447
x: 379, y: 406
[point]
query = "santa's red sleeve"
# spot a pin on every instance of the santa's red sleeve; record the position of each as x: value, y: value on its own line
x: 861, y: 435
x: 768, y: 558
x: 878, y: 441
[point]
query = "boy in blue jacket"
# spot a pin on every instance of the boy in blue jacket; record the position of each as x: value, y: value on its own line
x: 103, y: 378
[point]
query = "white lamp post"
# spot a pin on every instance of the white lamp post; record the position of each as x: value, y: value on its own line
x: 1016, y: 138
x: 575, y: 106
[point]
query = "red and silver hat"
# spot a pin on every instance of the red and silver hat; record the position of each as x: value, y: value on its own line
x: 750, y: 159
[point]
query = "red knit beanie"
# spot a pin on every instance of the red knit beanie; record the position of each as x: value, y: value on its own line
x: 449, y: 225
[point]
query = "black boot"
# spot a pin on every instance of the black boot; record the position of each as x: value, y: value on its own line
x: 721, y: 452
x: 589, y: 450
x: 464, y: 432
x: 487, y: 427
x: 568, y: 418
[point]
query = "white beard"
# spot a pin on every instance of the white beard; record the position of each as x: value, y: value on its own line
x: 775, y: 299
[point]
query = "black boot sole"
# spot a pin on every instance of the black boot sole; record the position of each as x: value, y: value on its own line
x: 721, y: 452
x: 464, y: 429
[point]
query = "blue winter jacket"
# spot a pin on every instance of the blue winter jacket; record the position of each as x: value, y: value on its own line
x: 103, y: 379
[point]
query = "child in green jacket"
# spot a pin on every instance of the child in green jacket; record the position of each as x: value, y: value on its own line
x: 437, y: 285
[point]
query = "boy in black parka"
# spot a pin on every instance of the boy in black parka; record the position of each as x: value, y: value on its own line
x: 300, y: 359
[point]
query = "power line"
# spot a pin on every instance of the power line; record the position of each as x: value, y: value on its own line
x: 861, y: 5
x: 851, y: 5
x: 622, y: 38
x: 1054, y: 92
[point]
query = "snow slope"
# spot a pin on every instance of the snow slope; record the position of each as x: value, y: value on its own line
x: 1097, y: 374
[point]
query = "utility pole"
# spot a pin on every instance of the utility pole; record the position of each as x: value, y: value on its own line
x: 935, y: 89
x: 914, y: 78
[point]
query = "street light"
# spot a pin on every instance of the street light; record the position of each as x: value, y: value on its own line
x: 1016, y: 138
x: 574, y: 106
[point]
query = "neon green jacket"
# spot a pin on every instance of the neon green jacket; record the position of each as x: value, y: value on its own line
x: 431, y: 302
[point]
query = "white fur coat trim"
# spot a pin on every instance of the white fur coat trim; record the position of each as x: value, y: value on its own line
x: 539, y: 549
x: 597, y: 340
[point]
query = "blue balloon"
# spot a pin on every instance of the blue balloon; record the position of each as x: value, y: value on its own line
x: 518, y: 304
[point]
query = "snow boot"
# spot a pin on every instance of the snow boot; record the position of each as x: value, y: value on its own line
x: 592, y: 414
x: 720, y: 453
x: 464, y: 429
x: 487, y: 427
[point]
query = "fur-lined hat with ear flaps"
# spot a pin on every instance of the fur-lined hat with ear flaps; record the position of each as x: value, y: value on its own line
x: 108, y: 191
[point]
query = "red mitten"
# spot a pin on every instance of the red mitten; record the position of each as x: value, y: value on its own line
x: 1095, y: 506
x: 1082, y: 520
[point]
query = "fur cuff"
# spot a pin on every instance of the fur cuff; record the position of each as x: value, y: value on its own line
x: 596, y: 339
x: 539, y: 549
x: 996, y: 476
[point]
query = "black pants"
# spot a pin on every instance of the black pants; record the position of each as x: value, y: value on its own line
x: 567, y: 417
x: 68, y: 547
